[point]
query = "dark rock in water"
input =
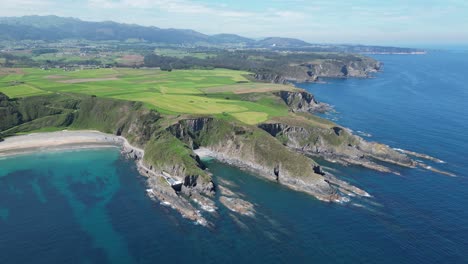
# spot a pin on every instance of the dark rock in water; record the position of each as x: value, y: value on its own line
x: 238, y: 205
x: 276, y: 171
x: 317, y: 169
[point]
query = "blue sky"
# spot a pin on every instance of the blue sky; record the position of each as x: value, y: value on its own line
x: 391, y: 22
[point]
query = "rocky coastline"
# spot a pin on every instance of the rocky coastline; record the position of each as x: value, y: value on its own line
x: 329, y: 68
x: 327, y: 190
x: 159, y: 189
x: 90, y: 139
x: 167, y: 149
x: 330, y: 189
x: 339, y: 145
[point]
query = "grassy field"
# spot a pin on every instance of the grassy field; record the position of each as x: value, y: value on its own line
x: 68, y: 58
x: 216, y: 92
x: 180, y: 53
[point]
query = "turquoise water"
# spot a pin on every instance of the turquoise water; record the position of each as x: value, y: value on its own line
x: 90, y: 206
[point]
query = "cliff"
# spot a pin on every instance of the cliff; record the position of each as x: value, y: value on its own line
x: 169, y: 143
x: 362, y: 67
x: 318, y: 137
x: 321, y: 138
x: 351, y: 66
x: 142, y: 127
x: 302, y: 101
x: 253, y: 149
x: 165, y: 146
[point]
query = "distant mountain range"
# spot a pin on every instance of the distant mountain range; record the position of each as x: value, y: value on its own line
x: 54, y: 28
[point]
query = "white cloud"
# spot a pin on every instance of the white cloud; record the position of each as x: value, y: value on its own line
x: 311, y: 20
x: 22, y: 7
x: 174, y: 6
x: 290, y: 14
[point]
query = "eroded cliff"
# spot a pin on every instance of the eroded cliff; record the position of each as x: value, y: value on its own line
x: 165, y: 146
x: 340, y: 67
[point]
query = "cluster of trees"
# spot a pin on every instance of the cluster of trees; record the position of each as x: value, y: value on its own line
x: 249, y: 60
x: 17, y: 61
x: 37, y: 52
x: 26, y: 62
x: 228, y: 60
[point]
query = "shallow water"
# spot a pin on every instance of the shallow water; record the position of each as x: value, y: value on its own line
x: 90, y: 206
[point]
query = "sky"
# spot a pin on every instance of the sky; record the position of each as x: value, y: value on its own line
x: 390, y: 22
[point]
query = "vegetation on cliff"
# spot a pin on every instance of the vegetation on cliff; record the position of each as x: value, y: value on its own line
x: 222, y: 92
x: 275, y: 67
x: 266, y: 128
x: 183, y: 110
x: 168, y: 140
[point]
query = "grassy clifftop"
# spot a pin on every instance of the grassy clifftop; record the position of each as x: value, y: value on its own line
x: 168, y: 140
x: 264, y: 127
x: 198, y: 92
x: 141, y: 126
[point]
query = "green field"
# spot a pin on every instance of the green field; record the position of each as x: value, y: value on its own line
x: 180, y: 53
x: 210, y: 92
x: 67, y: 58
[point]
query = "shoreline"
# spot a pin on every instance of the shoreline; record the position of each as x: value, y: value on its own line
x: 61, y: 148
x: 58, y: 141
x: 293, y: 184
x: 89, y: 139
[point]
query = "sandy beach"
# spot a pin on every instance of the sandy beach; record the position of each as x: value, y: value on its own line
x: 58, y: 140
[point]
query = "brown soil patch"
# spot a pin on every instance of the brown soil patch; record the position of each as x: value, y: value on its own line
x: 55, y: 77
x: 7, y: 71
x: 262, y: 90
x: 248, y: 88
x: 89, y: 80
x: 131, y: 60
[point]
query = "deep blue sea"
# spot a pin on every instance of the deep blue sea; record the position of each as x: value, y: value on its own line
x: 90, y: 206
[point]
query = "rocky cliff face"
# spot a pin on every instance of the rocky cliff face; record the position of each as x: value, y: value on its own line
x: 253, y: 149
x: 357, y: 67
x: 142, y: 127
x: 336, y: 144
x: 278, y: 78
x: 302, y: 101
x: 337, y: 69
x: 274, y: 150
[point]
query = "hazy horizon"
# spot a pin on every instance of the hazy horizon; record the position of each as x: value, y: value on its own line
x: 416, y: 24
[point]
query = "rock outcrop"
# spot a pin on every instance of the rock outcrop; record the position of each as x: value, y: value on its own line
x: 336, y: 144
x: 355, y: 67
x: 362, y: 68
x: 255, y: 150
x: 155, y: 150
x: 302, y: 101
x: 164, y: 147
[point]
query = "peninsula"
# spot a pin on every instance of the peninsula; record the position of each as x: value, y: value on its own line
x: 167, y: 107
x: 268, y: 129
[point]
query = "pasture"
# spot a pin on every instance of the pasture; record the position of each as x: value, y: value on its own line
x: 178, y: 53
x: 218, y: 92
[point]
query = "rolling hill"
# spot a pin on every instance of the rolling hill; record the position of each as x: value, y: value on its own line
x: 54, y: 28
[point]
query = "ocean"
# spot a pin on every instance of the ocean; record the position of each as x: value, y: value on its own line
x: 90, y: 206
